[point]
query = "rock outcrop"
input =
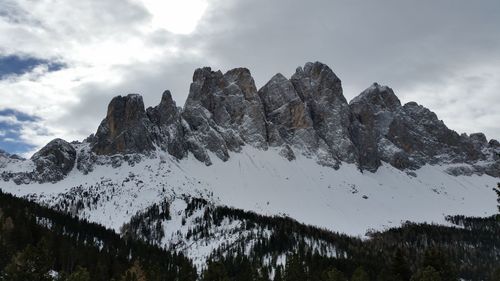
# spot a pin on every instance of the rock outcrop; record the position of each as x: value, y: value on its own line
x: 321, y: 90
x: 223, y: 112
x: 288, y: 116
x: 54, y: 161
x: 167, y: 132
x: 125, y: 128
x: 407, y: 136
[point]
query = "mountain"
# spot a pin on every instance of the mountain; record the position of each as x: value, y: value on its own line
x: 295, y: 148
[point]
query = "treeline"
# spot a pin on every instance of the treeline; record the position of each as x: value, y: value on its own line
x: 411, y: 252
x: 37, y: 243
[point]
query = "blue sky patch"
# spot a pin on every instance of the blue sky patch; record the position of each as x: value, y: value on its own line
x: 17, y: 65
x: 11, y: 123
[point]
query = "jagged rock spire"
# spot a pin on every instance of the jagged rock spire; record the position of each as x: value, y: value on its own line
x: 125, y: 128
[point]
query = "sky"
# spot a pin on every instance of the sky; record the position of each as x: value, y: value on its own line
x: 61, y: 61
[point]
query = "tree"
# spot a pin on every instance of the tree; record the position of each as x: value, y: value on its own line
x: 80, y: 274
x: 134, y: 273
x: 360, y: 275
x: 216, y: 271
x: 277, y: 274
x: 400, y: 267
x: 496, y: 274
x: 334, y: 275
x: 294, y: 269
x: 497, y: 191
x: 386, y: 275
x: 438, y: 261
x: 429, y: 273
x: 32, y: 263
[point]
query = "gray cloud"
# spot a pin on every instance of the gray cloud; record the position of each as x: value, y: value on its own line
x: 443, y: 54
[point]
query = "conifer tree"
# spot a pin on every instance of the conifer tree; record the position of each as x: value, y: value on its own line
x: 80, y: 274
x: 334, y: 275
x: 215, y: 271
x: 360, y: 275
x: 428, y: 273
x: 497, y: 191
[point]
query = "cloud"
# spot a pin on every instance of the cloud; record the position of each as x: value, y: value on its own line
x: 442, y: 54
x: 14, y: 126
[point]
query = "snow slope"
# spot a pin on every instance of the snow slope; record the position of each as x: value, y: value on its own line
x: 343, y: 200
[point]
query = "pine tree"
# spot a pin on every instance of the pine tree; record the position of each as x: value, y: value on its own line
x: 334, y: 275
x: 436, y: 259
x: 428, y: 273
x: 497, y: 191
x: 399, y: 267
x: 294, y: 270
x: 80, y: 274
x: 216, y: 271
x: 134, y: 273
x: 360, y: 275
x: 277, y: 274
x: 32, y: 263
x: 386, y: 275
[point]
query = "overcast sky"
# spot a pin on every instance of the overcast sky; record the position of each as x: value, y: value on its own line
x: 62, y: 61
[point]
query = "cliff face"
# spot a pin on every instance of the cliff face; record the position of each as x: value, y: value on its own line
x: 306, y: 114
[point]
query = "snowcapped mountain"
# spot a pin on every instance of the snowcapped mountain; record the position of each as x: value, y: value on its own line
x: 294, y: 148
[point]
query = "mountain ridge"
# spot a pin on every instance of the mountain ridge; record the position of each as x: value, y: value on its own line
x: 306, y: 114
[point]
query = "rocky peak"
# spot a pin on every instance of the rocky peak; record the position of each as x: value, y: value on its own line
x: 288, y: 117
x: 166, y: 129
x: 125, y: 128
x: 224, y: 112
x: 494, y: 143
x: 166, y: 112
x: 54, y: 161
x: 379, y: 97
x: 321, y: 90
x: 479, y: 138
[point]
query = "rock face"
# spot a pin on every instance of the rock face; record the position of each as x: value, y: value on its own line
x: 125, y: 128
x: 167, y: 131
x: 223, y: 112
x: 407, y: 136
x: 54, y: 161
x: 288, y: 117
x: 321, y: 90
x: 304, y: 115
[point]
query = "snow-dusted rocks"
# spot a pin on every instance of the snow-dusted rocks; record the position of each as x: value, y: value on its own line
x: 167, y: 131
x: 410, y: 136
x: 54, y: 161
x: 223, y: 112
x: 304, y: 115
x: 288, y: 117
x: 321, y: 89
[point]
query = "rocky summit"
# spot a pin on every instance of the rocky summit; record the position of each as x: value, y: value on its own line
x: 306, y: 114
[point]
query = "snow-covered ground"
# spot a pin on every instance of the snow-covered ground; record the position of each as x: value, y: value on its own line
x: 343, y: 200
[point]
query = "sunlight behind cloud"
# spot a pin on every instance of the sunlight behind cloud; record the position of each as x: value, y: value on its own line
x: 176, y: 16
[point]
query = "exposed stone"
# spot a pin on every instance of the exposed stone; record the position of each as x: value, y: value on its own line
x: 125, y: 128
x: 168, y: 133
x: 224, y: 111
x: 288, y: 117
x: 373, y: 112
x: 321, y: 90
x: 494, y: 143
x: 287, y: 152
x: 54, y: 161
x: 306, y: 114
